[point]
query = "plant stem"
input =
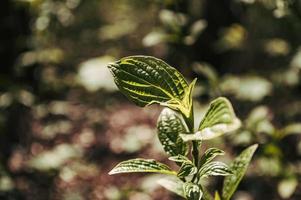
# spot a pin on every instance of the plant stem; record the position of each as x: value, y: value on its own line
x: 195, y: 145
x: 195, y: 153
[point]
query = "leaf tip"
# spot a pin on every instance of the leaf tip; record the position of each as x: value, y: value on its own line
x: 254, y: 147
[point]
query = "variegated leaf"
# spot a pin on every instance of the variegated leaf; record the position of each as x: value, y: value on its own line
x: 146, y: 80
x: 210, y: 154
x: 219, y: 119
x: 238, y: 167
x: 170, y: 125
x: 192, y: 191
x: 180, y: 159
x: 187, y: 169
x: 141, y: 165
x: 215, y: 168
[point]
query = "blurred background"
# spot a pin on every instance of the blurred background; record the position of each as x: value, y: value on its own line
x: 64, y: 125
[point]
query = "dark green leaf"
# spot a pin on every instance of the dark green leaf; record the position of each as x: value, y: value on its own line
x: 180, y: 159
x: 187, y: 169
x: 170, y: 125
x: 215, y: 168
x: 141, y: 165
x: 210, y: 154
x: 238, y: 167
x: 146, y: 80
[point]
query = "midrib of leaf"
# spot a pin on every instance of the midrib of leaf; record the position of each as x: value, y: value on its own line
x: 144, y: 94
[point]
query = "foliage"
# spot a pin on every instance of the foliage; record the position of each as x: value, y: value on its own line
x: 62, y: 121
x: 147, y: 80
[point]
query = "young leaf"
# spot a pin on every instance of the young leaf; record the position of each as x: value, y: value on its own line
x: 219, y: 119
x: 170, y: 124
x: 238, y: 167
x: 173, y: 184
x: 215, y: 168
x: 141, y: 165
x: 210, y: 154
x: 180, y: 159
x: 187, y: 169
x: 146, y: 80
x: 217, y: 196
x: 192, y: 191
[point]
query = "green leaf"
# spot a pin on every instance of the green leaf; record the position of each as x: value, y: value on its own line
x: 217, y: 196
x: 219, y: 119
x: 238, y: 167
x: 170, y: 124
x: 141, y: 165
x: 215, y: 168
x: 146, y: 80
x: 180, y: 159
x: 187, y: 169
x: 173, y: 184
x: 192, y: 191
x: 210, y: 154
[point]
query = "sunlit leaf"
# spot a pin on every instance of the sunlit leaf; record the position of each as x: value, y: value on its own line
x: 215, y: 168
x: 192, y: 191
x: 238, y: 167
x: 173, y: 184
x: 146, y: 80
x: 219, y: 119
x: 170, y: 125
x: 141, y: 165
